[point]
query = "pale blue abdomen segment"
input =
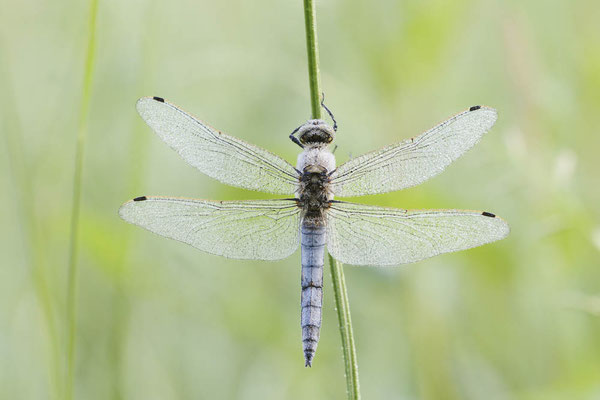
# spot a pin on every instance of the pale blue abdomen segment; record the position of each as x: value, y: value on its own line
x: 313, y: 252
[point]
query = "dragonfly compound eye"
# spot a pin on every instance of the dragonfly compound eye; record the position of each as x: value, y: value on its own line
x: 316, y: 131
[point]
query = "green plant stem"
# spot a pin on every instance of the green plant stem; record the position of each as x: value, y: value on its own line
x: 312, y: 49
x: 342, y: 306
x: 76, y: 206
x: 337, y: 273
x: 33, y: 242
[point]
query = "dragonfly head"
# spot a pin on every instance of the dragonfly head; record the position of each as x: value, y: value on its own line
x: 316, y: 132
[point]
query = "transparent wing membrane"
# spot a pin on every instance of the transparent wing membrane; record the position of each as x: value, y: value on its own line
x: 223, y: 157
x: 259, y: 230
x: 415, y: 160
x: 368, y: 235
x: 270, y: 229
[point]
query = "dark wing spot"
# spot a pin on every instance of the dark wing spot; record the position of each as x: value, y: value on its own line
x: 159, y: 99
x: 474, y: 108
x: 487, y: 214
x: 141, y: 198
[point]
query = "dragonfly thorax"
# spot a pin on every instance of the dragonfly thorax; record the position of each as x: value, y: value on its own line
x: 316, y: 132
x: 313, y: 193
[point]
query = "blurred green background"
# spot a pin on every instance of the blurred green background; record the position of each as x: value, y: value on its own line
x: 517, y: 319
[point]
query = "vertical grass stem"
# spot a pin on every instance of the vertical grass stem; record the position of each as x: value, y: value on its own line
x: 312, y: 49
x: 34, y: 245
x: 342, y: 306
x: 337, y: 272
x: 76, y: 205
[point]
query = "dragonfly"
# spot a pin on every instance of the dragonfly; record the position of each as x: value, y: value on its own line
x: 311, y: 217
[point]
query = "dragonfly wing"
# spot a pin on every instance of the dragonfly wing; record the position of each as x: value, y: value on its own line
x: 415, y: 160
x: 220, y: 156
x: 367, y: 235
x: 258, y: 230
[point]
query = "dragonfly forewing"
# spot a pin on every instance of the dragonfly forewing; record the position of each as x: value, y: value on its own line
x: 220, y: 156
x: 413, y: 161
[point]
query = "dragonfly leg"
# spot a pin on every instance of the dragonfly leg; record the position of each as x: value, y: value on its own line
x: 294, y: 138
x: 328, y: 112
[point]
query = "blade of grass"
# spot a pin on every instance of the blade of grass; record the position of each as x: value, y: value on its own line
x: 79, y: 151
x: 34, y: 245
x: 312, y: 49
x: 337, y: 273
x: 138, y: 150
x: 342, y: 306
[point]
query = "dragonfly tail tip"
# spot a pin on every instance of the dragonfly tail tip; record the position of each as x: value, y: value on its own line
x: 308, y: 359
